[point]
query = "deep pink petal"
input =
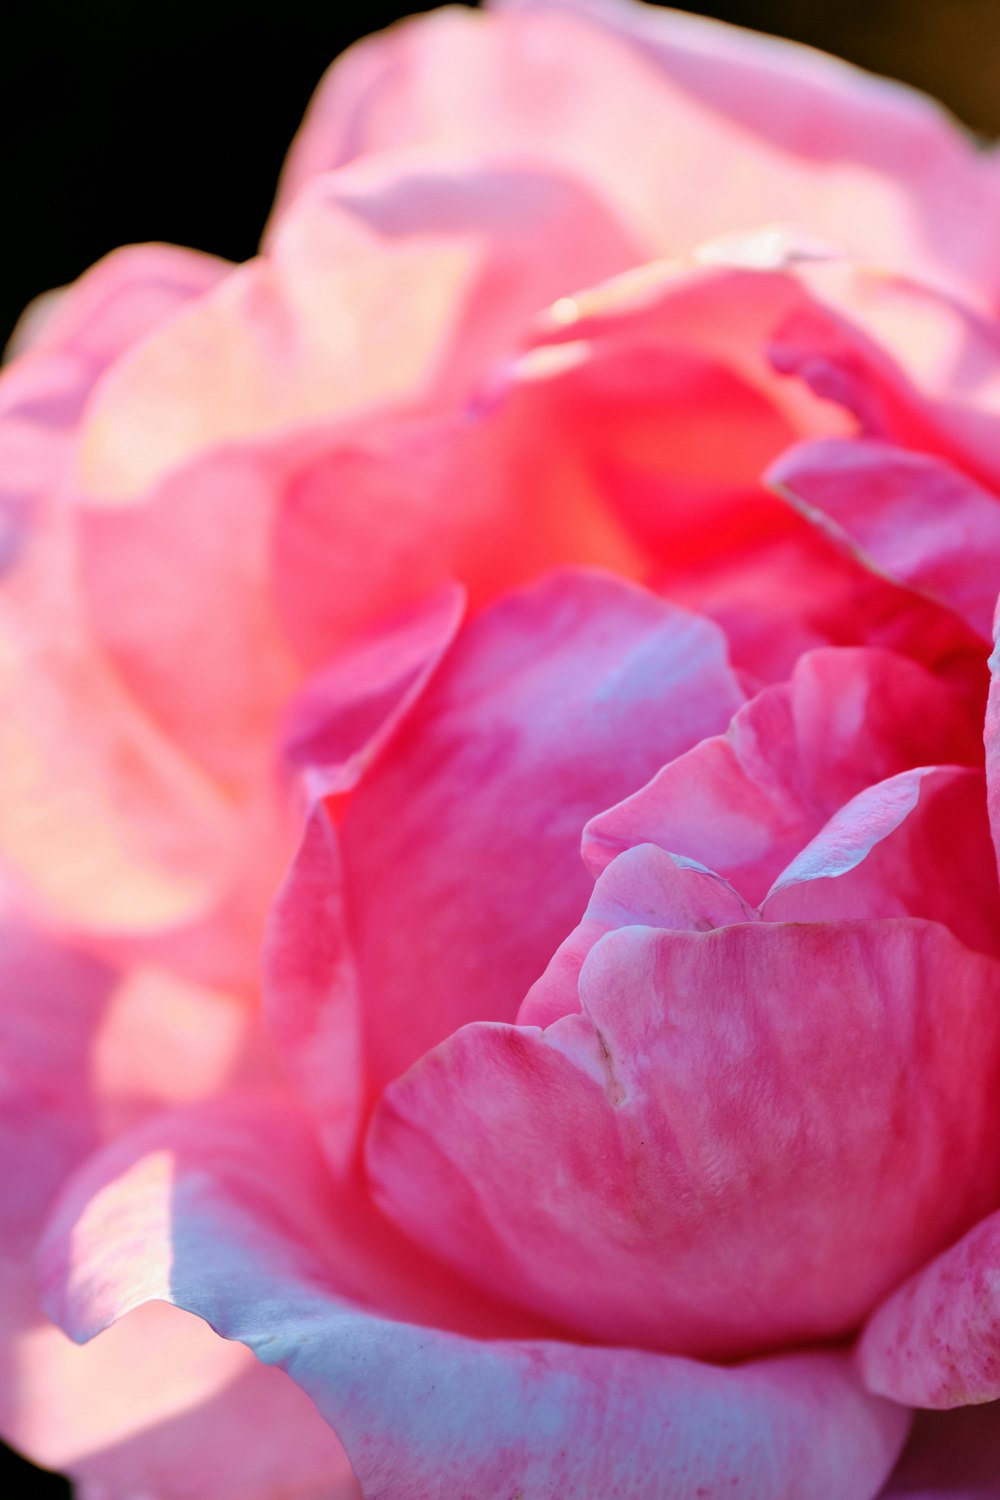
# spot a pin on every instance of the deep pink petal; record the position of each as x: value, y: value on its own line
x: 908, y: 514
x: 423, y: 1412
x: 936, y: 1341
x: 643, y: 887
x: 892, y: 852
x: 991, y: 735
x: 745, y: 803
x: 655, y: 1171
x: 461, y: 848
x: 335, y: 731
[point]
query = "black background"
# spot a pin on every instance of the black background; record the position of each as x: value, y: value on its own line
x: 122, y: 122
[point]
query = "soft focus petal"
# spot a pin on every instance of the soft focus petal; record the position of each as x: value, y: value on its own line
x: 781, y: 132
x: 867, y: 160
x: 743, y: 1141
x: 461, y: 847
x: 393, y: 282
x: 107, y: 824
x: 745, y: 803
x: 84, y: 1055
x: 423, y: 1412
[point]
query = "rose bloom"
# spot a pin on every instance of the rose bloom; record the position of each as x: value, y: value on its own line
x: 601, y: 458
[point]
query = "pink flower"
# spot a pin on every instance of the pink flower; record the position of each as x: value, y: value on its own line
x: 602, y: 457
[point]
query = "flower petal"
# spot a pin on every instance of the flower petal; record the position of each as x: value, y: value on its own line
x: 745, y: 803
x: 653, y: 1171
x: 461, y: 847
x: 423, y: 1412
x: 782, y: 133
x: 888, y: 853
x: 335, y: 731
x: 86, y: 1054
x: 643, y: 887
x: 936, y: 1341
x: 395, y: 281
x: 907, y: 514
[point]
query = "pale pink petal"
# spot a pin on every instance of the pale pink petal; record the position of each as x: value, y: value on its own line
x: 395, y: 281
x: 892, y: 852
x: 746, y: 802
x: 165, y: 1407
x: 153, y: 577
x: 461, y: 847
x: 120, y: 299
x: 906, y: 514
x: 913, y: 366
x: 59, y: 351
x: 423, y: 1412
x: 647, y: 106
x: 867, y: 160
x: 950, y: 1456
x: 84, y: 1054
x: 654, y: 1171
x: 643, y: 887
x: 103, y: 819
x: 936, y: 1341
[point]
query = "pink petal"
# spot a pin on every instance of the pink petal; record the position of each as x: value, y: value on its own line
x: 653, y: 1171
x: 745, y: 803
x: 85, y: 1054
x: 936, y: 1341
x: 782, y: 596
x: 391, y: 282
x: 907, y: 514
x: 423, y: 1412
x: 875, y: 164
x: 949, y: 1457
x: 887, y: 350
x: 891, y: 852
x: 698, y: 342
x: 646, y: 106
x: 461, y: 847
x: 490, y: 494
x: 340, y: 724
x: 100, y: 816
x: 643, y: 887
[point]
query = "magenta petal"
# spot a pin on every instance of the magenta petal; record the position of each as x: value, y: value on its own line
x: 936, y: 1341
x: 220, y: 1230
x: 653, y: 1171
x: 745, y: 803
x: 460, y: 848
x: 644, y: 887
x: 888, y: 853
x: 909, y: 515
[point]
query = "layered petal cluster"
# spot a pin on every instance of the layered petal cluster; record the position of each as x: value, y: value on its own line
x: 499, y: 899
